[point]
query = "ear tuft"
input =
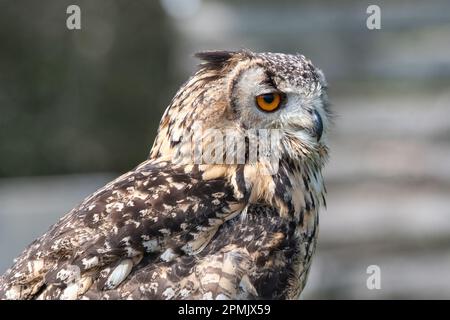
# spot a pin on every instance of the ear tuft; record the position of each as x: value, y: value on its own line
x: 215, y: 59
x: 215, y: 56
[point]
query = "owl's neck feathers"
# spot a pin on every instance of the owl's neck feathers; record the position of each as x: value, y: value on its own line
x: 196, y: 101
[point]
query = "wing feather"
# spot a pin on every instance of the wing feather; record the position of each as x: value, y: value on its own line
x: 144, y: 212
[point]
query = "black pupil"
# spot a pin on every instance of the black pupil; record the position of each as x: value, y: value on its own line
x: 268, y: 98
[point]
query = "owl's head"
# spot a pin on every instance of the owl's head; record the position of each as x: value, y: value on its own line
x: 241, y: 91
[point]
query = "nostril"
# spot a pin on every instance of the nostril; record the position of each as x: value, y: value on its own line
x: 317, y: 123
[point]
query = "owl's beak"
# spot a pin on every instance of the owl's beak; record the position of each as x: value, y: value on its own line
x: 317, y: 124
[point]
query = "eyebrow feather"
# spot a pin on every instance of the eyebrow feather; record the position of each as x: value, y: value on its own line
x: 268, y: 80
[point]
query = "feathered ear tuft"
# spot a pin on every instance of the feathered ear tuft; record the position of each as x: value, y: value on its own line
x: 218, y: 59
x: 215, y: 57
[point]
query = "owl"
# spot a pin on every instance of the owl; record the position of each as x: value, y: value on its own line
x: 202, y: 217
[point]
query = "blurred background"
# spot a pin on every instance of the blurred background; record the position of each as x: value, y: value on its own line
x: 79, y: 107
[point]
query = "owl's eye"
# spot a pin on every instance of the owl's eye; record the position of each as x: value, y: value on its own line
x: 268, y: 102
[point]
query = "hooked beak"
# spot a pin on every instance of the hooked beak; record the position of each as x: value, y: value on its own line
x: 317, y: 124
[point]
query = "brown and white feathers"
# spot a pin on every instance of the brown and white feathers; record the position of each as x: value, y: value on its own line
x: 178, y: 227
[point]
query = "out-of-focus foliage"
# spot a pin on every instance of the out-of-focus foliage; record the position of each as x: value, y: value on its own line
x: 84, y: 100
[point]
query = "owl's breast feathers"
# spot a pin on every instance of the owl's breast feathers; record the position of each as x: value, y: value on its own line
x: 164, y: 231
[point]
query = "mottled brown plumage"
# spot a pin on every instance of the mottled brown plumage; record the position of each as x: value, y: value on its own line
x: 176, y: 228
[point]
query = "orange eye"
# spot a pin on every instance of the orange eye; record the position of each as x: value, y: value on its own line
x: 268, y: 102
